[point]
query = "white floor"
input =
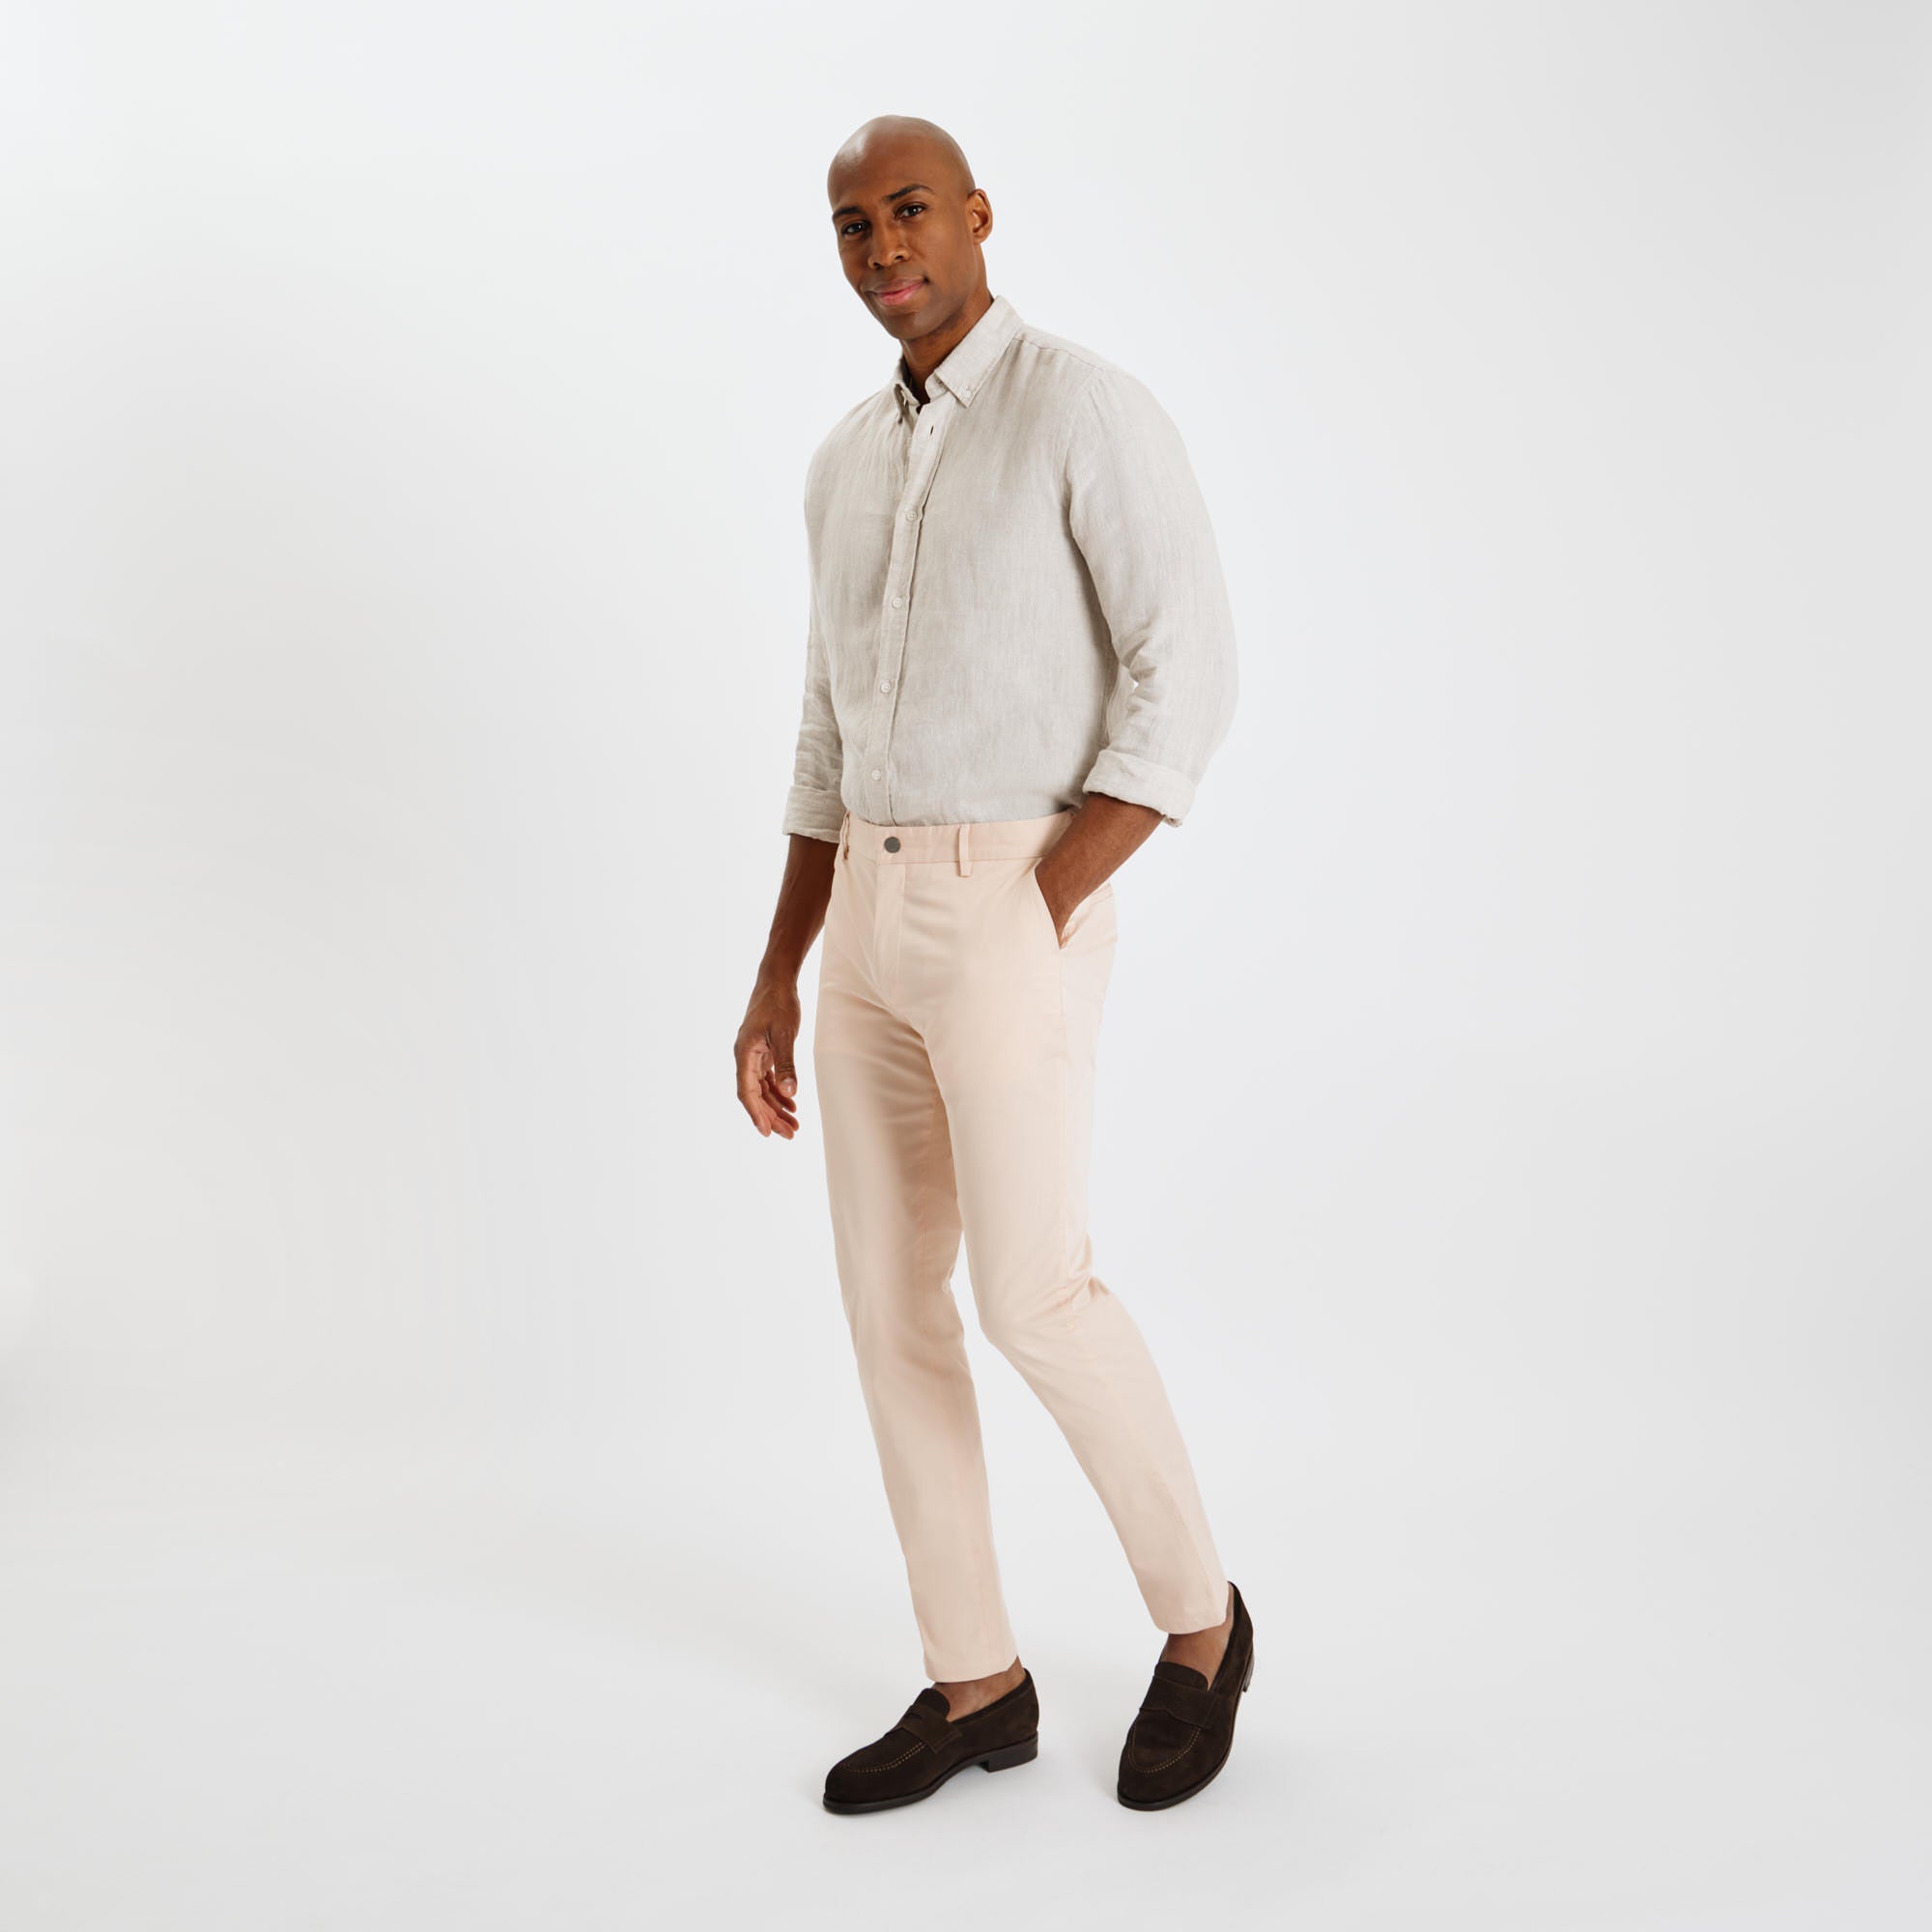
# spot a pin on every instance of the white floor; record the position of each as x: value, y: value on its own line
x: 309, y: 1687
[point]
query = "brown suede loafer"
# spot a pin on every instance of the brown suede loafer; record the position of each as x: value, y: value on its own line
x: 926, y: 1748
x: 1186, y: 1728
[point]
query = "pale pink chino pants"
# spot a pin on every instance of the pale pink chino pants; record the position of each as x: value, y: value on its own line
x: 954, y: 1048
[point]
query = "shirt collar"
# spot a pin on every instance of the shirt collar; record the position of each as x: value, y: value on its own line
x: 969, y: 361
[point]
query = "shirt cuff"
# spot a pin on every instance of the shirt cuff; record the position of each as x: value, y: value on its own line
x: 819, y: 814
x: 1122, y: 775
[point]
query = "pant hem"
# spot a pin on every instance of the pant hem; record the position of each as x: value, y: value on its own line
x: 1211, y: 1620
x: 973, y: 1668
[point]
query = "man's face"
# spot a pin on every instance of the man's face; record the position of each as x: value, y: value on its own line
x: 909, y: 243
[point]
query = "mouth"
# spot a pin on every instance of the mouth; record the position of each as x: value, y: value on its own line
x: 896, y: 295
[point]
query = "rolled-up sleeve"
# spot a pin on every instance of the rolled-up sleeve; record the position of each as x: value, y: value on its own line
x: 1138, y: 515
x: 813, y: 805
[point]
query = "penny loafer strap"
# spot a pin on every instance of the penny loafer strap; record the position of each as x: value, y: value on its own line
x: 1192, y: 1704
x: 928, y: 1727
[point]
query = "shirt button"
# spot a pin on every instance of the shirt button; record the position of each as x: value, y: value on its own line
x: 896, y: 602
x: 875, y: 775
x: 885, y: 684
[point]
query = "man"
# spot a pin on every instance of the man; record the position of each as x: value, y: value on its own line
x: 1018, y: 662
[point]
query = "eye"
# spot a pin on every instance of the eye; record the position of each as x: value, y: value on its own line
x: 913, y: 208
x: 849, y: 227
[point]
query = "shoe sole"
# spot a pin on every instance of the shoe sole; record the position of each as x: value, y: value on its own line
x: 1023, y: 1752
x: 1200, y: 1783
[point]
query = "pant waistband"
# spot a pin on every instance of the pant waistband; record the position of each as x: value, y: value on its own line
x: 960, y: 844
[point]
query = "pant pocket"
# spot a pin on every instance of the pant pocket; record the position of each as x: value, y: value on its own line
x: 1077, y: 919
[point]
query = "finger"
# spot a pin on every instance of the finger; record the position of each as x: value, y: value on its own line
x: 749, y: 1096
x: 783, y: 1074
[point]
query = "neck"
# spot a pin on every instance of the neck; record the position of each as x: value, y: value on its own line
x: 925, y: 354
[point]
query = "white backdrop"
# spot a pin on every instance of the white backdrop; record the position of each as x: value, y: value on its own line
x: 433, y: 1485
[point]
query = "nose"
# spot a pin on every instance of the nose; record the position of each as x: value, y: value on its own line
x: 885, y: 251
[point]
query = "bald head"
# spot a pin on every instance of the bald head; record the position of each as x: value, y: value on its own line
x: 910, y: 225
x: 942, y: 157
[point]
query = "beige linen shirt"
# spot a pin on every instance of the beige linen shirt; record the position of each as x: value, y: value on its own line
x: 1015, y: 596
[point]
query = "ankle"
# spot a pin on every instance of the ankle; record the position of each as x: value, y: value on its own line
x: 1202, y: 1649
x: 964, y: 1696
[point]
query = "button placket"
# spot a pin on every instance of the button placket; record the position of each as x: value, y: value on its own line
x: 921, y: 460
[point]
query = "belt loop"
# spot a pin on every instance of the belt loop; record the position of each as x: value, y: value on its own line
x: 965, y: 861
